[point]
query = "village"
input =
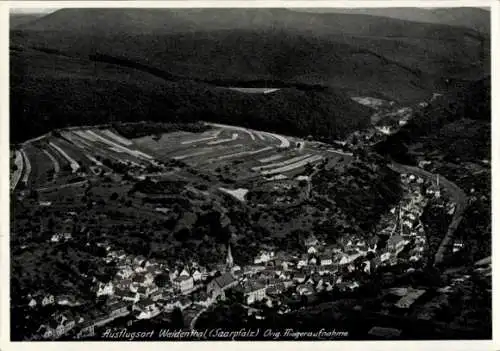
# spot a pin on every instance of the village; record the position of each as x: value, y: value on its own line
x: 144, y: 288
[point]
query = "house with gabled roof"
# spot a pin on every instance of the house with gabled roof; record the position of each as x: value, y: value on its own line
x: 48, y: 300
x: 254, y: 290
x: 325, y: 260
x: 218, y: 285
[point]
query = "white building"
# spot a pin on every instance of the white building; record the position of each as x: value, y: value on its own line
x: 105, y: 289
x: 264, y: 256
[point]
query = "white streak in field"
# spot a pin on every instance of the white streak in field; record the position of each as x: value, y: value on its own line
x: 116, y: 137
x: 245, y: 153
x: 282, y: 163
x: 198, y: 153
x: 285, y: 143
x: 241, y: 129
x: 340, y: 152
x: 78, y: 140
x: 192, y: 141
x: 239, y: 193
x: 222, y: 141
x: 73, y: 164
x: 271, y: 158
x: 124, y: 149
x: 18, y: 161
x: 293, y: 166
x: 83, y: 134
x: 27, y: 168
x: 260, y: 135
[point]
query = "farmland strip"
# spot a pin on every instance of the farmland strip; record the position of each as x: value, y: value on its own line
x: 119, y: 147
x: 76, y: 139
x: 222, y: 141
x: 285, y: 143
x: 192, y: 141
x: 27, y: 168
x: 93, y: 159
x: 18, y: 161
x: 198, y: 153
x: 57, y: 167
x: 260, y: 135
x: 241, y: 129
x: 293, y: 166
x: 244, y: 153
x: 271, y: 158
x: 283, y: 163
x: 116, y: 137
x: 74, y: 165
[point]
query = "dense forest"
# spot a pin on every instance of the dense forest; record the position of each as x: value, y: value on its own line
x: 455, y: 125
x: 48, y: 94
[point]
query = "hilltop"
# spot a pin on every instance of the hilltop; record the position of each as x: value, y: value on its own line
x: 360, y: 54
x: 160, y: 21
x: 469, y: 17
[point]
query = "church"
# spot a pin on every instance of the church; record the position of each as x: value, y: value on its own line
x: 216, y: 288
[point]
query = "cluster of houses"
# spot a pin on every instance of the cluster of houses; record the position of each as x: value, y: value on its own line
x: 146, y: 287
x: 319, y: 268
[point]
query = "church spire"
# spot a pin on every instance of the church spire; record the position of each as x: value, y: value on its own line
x: 229, y: 258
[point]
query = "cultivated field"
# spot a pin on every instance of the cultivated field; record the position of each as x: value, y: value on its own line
x: 237, y: 153
x: 226, y: 154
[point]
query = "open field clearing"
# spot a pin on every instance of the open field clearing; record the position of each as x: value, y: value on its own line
x: 16, y: 175
x: 27, y: 167
x: 293, y: 166
x: 239, y: 193
x: 73, y: 164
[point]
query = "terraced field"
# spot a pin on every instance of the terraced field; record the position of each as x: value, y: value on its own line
x: 238, y: 153
x: 229, y: 153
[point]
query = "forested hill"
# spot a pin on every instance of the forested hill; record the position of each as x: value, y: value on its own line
x: 469, y: 17
x: 103, y: 21
x: 53, y: 91
x: 455, y: 125
x: 359, y: 54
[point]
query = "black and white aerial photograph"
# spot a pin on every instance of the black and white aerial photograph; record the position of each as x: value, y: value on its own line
x: 249, y: 174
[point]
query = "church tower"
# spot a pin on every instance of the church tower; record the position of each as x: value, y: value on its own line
x: 229, y: 258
